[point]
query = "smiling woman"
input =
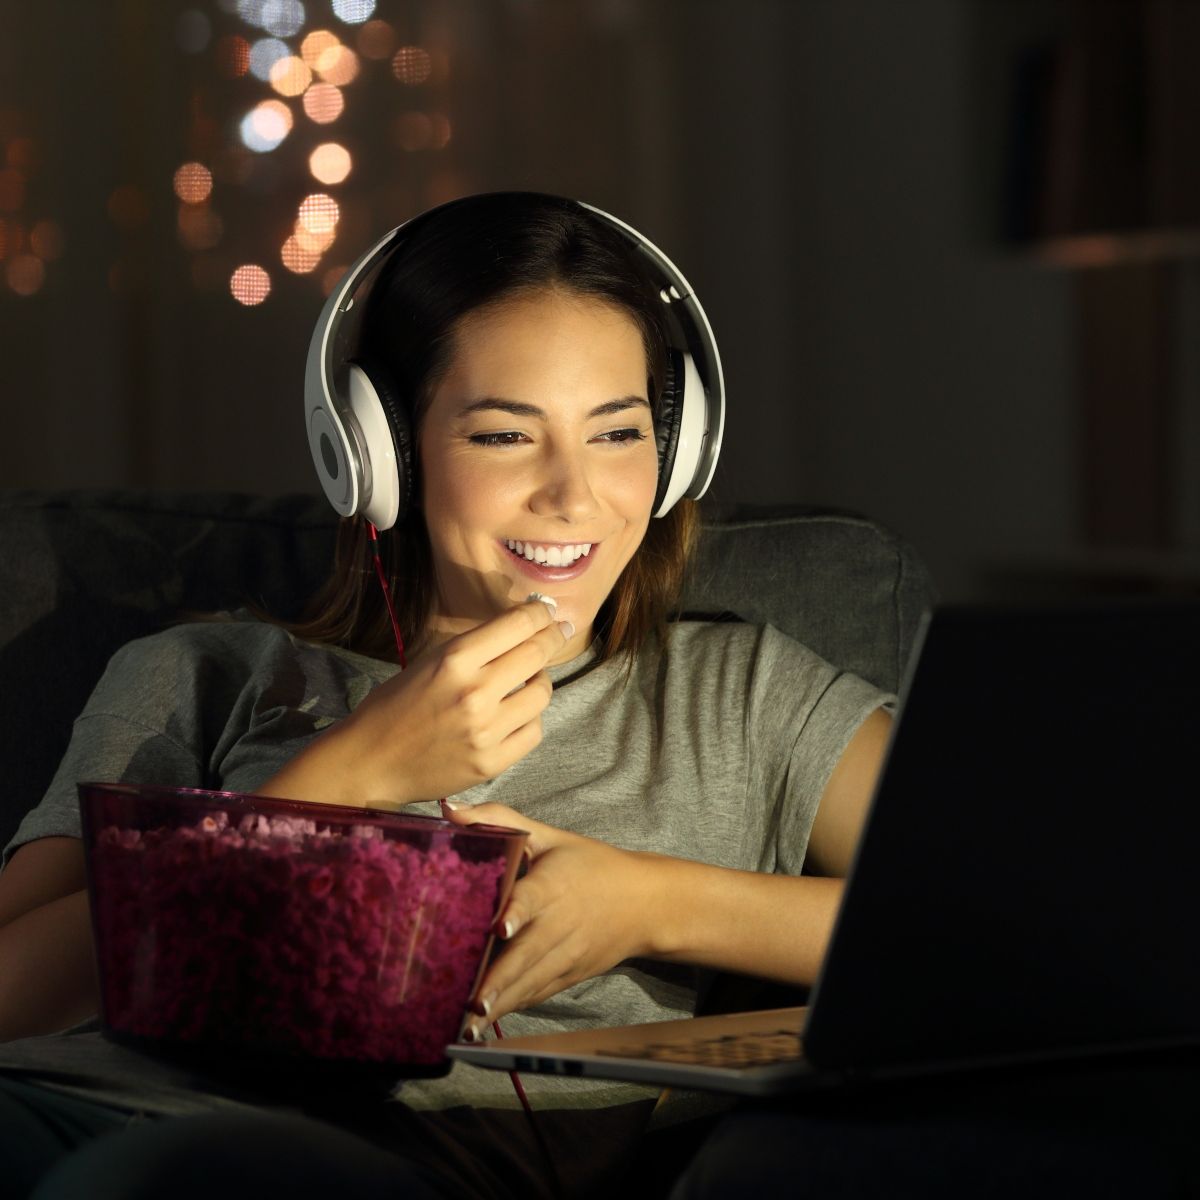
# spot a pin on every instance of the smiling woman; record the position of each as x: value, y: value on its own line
x: 692, y: 792
x: 551, y: 486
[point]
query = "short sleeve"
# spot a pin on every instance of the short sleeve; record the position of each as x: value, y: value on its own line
x: 803, y: 712
x: 121, y: 737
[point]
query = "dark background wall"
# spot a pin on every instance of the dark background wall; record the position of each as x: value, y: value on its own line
x: 879, y: 204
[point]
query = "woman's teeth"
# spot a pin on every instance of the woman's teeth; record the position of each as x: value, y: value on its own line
x: 549, y: 556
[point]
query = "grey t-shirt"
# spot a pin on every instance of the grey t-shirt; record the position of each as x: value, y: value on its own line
x: 716, y: 747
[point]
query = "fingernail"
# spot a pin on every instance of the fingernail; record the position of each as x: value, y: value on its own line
x: 548, y: 601
x: 470, y: 1033
x: 487, y: 1002
x: 510, y: 926
x: 568, y: 630
x: 454, y: 805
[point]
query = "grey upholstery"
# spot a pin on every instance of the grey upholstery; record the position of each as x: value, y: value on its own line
x: 83, y: 572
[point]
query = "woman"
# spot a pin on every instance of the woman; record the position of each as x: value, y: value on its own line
x: 673, y: 781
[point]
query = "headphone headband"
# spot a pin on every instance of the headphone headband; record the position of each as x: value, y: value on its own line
x: 353, y: 421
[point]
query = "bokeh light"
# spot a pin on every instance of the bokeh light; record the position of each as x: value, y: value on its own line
x: 353, y: 12
x: 439, y: 131
x: 46, y: 241
x: 12, y: 190
x: 323, y: 103
x: 297, y: 257
x: 290, y: 76
x: 422, y: 131
x: 318, y: 213
x: 315, y: 44
x: 266, y: 125
x: 25, y: 274
x: 330, y: 163
x: 233, y: 56
x: 376, y: 40
x: 193, y: 30
x: 199, y: 227
x: 249, y: 284
x: 11, y: 238
x: 193, y: 183
x: 22, y: 155
x: 412, y: 65
x: 264, y: 54
x: 338, y: 64
x: 251, y: 11
x: 283, y: 18
x: 414, y: 131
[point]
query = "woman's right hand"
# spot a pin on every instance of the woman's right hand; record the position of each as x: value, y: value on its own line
x: 462, y: 713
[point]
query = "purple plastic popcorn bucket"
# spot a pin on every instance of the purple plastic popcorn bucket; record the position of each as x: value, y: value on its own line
x: 240, y: 929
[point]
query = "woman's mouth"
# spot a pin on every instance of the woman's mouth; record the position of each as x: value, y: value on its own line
x: 550, y: 560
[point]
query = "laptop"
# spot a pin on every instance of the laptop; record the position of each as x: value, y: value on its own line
x: 1026, y: 887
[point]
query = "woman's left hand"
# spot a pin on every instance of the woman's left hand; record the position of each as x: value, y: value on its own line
x: 582, y: 907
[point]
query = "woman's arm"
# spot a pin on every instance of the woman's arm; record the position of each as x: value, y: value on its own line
x: 47, y: 962
x: 586, y: 905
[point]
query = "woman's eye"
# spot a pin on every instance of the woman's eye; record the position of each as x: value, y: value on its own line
x: 504, y: 437
x: 622, y: 435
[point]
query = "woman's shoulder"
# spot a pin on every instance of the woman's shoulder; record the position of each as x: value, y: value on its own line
x: 732, y: 640
x: 220, y: 635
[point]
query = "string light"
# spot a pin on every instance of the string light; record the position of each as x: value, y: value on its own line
x: 330, y: 163
x: 193, y: 183
x: 264, y: 54
x: 266, y: 125
x: 297, y: 257
x: 412, y: 65
x: 192, y: 31
x: 199, y: 227
x: 233, y: 56
x: 323, y: 103
x: 315, y: 44
x: 319, y: 213
x: 376, y: 40
x: 250, y: 284
x: 295, y: 63
x: 25, y: 274
x: 338, y: 64
x: 353, y: 12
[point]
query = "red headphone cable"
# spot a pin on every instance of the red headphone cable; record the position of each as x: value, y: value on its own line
x: 387, y: 595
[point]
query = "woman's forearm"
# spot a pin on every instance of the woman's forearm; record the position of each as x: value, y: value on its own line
x: 773, y: 926
x: 47, y: 969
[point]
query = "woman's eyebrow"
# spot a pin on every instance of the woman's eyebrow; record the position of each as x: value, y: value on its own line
x: 518, y: 408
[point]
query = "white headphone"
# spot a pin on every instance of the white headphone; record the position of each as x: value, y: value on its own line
x: 358, y: 428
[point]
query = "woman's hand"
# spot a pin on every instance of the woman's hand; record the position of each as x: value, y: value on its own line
x: 462, y: 713
x: 582, y: 907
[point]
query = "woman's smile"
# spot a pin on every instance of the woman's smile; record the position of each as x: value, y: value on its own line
x: 551, y: 562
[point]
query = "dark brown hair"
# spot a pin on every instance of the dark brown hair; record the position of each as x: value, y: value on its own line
x: 474, y: 252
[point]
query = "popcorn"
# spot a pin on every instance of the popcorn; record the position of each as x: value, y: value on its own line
x: 276, y: 935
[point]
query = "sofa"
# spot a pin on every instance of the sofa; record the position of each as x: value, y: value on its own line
x: 82, y: 572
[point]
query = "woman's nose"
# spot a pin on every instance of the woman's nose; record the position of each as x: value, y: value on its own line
x: 564, y: 489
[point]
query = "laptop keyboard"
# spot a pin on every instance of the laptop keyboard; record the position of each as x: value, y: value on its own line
x: 729, y: 1050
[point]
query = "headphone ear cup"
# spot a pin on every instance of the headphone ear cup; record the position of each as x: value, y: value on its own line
x: 666, y: 427
x: 399, y: 427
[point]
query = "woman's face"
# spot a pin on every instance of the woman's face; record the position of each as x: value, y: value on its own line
x: 538, y: 460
